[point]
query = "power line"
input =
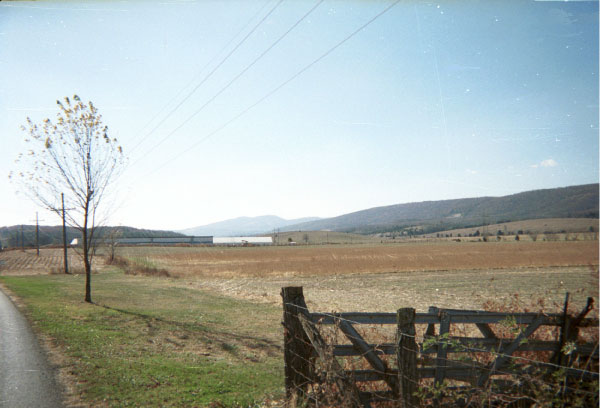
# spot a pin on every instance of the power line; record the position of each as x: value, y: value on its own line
x: 195, y: 77
x: 239, y: 44
x: 242, y: 72
x: 277, y: 88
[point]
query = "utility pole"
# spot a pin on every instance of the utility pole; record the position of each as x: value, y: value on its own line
x: 22, y: 239
x: 37, y: 233
x: 62, y: 198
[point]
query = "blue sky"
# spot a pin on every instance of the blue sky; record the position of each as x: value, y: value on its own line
x: 429, y: 101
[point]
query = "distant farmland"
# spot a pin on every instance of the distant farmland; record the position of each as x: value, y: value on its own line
x: 213, y: 262
x: 362, y: 276
x: 573, y: 226
x: 218, y: 309
x: 384, y: 277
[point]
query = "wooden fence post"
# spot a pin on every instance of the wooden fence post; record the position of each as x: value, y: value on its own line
x: 430, y: 332
x: 407, y: 357
x: 442, y: 348
x: 557, y: 358
x: 297, y: 346
x: 571, y: 330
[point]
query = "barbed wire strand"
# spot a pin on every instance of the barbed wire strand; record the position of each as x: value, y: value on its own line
x: 522, y: 377
x: 463, y: 363
x: 499, y: 354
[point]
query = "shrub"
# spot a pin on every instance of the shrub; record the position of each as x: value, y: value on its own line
x: 139, y: 266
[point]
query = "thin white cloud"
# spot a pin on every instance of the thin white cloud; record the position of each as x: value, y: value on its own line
x: 545, y: 163
x: 562, y: 17
x: 459, y: 67
x: 549, y: 163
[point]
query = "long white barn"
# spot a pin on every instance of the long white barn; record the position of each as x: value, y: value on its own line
x: 242, y: 240
x: 205, y: 240
x: 165, y: 240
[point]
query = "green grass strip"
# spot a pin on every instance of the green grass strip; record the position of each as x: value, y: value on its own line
x: 155, y: 342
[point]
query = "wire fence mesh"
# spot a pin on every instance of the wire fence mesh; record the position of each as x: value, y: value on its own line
x: 440, y: 358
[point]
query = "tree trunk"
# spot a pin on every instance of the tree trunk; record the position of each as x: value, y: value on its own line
x: 88, y: 280
x: 86, y: 259
x: 64, y: 231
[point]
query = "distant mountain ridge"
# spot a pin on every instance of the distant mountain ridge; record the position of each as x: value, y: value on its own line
x: 565, y: 202
x: 424, y: 217
x: 244, y: 226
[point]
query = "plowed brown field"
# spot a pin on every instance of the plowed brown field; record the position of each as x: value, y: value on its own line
x: 341, y: 260
x: 366, y: 277
x: 386, y: 277
x: 17, y: 262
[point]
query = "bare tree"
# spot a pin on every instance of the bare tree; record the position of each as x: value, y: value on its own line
x: 111, y: 240
x: 76, y: 156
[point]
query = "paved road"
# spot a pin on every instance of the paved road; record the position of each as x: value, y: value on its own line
x: 26, y: 378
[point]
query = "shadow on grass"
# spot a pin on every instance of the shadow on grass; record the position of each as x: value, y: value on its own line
x: 270, y: 347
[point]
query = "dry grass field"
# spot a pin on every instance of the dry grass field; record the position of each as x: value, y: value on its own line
x: 173, y: 329
x: 386, y: 277
x: 365, y: 277
x: 570, y: 228
x: 325, y: 237
x: 17, y: 262
x: 277, y: 261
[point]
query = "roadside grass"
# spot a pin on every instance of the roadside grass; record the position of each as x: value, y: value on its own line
x: 154, y: 342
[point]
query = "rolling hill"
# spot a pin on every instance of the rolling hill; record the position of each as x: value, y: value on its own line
x: 430, y: 216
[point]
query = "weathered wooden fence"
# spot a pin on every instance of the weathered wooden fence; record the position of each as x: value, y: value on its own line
x: 435, y: 356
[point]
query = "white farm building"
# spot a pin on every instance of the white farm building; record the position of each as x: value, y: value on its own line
x: 190, y: 240
x: 165, y: 240
x: 242, y: 240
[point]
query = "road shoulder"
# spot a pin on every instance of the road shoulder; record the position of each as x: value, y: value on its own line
x: 55, y: 363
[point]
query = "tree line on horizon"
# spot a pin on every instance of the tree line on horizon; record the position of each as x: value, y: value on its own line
x: 16, y: 236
